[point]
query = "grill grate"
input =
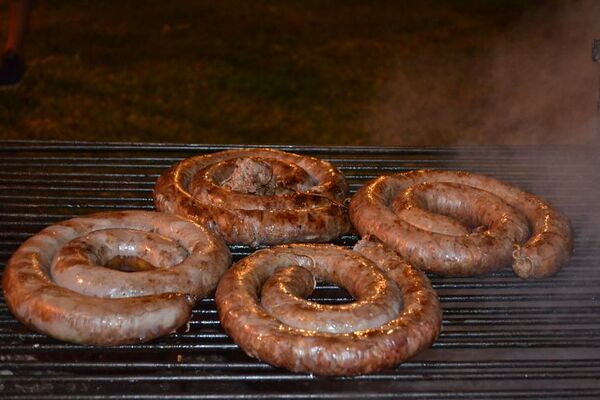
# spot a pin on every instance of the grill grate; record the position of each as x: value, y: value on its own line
x: 503, y: 338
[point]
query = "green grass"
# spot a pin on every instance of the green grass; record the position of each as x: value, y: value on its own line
x: 235, y: 71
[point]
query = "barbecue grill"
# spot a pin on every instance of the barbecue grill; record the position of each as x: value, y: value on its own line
x: 503, y: 338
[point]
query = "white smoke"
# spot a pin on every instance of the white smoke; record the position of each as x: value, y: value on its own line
x: 537, y: 86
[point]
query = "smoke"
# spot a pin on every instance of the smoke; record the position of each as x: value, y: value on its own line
x: 536, y: 84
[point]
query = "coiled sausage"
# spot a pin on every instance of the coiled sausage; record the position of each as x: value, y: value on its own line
x: 101, y: 306
x: 398, y: 209
x: 261, y: 306
x: 257, y: 196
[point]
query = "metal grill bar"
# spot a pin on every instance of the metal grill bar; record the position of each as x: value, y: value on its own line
x: 503, y: 338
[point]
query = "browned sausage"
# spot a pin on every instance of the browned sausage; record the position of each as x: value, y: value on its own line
x: 257, y: 196
x: 499, y: 213
x: 403, y: 317
x: 187, y: 261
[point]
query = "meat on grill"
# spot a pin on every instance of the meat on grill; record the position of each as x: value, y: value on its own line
x: 258, y: 196
x: 107, y: 307
x: 397, y: 313
x: 395, y: 209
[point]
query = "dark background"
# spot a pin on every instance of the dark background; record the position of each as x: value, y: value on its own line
x: 308, y: 72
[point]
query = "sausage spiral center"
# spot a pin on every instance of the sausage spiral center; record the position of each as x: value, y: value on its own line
x: 57, y: 283
x: 262, y: 307
x: 257, y: 196
x: 254, y: 175
x: 462, y: 224
x: 378, y: 298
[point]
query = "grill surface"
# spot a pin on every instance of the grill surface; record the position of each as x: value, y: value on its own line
x: 503, y: 338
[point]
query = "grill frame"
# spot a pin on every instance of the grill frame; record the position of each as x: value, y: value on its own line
x: 502, y: 337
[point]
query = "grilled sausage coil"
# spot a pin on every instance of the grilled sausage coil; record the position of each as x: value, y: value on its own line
x: 262, y: 307
x: 257, y: 196
x: 409, y: 212
x: 180, y: 263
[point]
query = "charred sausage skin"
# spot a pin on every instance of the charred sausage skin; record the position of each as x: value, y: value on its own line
x: 447, y: 253
x: 112, y: 318
x: 257, y: 196
x: 328, y: 350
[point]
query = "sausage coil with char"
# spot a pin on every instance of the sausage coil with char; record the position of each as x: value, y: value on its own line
x: 257, y: 196
x: 57, y: 282
x: 262, y: 307
x: 410, y: 212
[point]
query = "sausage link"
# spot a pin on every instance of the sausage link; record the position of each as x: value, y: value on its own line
x: 378, y: 298
x: 188, y: 261
x: 257, y: 196
x: 500, y: 213
x: 316, y: 340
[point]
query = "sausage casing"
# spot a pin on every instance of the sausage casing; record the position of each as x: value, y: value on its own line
x: 156, y: 308
x: 538, y: 255
x: 257, y: 196
x: 330, y: 350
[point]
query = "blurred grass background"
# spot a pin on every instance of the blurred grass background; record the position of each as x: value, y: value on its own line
x: 293, y: 72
